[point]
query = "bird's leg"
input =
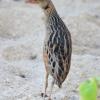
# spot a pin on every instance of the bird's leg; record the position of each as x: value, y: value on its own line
x: 52, y: 84
x: 46, y: 85
x: 46, y: 82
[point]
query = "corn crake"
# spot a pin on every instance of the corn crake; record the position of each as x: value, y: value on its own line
x: 57, y: 48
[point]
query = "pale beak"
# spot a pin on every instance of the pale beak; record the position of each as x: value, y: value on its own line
x: 31, y: 1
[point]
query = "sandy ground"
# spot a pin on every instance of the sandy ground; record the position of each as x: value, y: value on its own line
x: 22, y: 33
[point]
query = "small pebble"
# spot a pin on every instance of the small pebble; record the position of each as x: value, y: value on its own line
x: 23, y: 76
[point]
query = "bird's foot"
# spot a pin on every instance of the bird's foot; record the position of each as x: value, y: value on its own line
x: 44, y: 95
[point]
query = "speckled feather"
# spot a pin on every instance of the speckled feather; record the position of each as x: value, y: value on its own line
x: 57, y: 48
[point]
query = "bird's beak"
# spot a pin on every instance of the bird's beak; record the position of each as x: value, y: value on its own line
x: 31, y: 1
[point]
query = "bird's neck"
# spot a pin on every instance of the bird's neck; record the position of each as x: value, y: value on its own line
x: 49, y: 9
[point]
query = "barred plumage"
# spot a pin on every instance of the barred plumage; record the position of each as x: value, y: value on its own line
x: 57, y: 45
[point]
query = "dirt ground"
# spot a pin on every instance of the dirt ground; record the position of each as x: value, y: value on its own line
x: 22, y: 32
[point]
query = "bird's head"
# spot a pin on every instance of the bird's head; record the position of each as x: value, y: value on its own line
x: 42, y: 3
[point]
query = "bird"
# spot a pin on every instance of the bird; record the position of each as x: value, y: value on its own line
x: 57, y: 48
